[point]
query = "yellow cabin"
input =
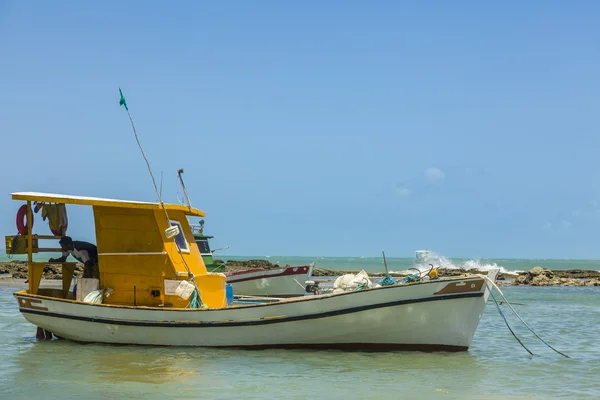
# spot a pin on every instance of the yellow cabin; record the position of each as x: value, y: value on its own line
x: 137, y: 257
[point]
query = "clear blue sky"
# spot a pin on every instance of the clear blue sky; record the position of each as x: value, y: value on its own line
x: 335, y: 128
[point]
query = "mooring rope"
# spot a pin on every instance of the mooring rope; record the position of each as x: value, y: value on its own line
x: 517, y: 314
x: 506, y: 322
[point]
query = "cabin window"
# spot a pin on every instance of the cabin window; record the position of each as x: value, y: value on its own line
x: 180, y: 238
x: 203, y: 246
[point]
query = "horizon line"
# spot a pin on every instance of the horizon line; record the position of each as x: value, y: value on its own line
x: 366, y: 257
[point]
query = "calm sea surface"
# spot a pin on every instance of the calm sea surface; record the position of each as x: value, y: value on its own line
x: 495, y: 367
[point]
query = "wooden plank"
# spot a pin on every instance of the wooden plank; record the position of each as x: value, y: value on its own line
x: 36, y: 270
x: 29, y: 233
x: 67, y: 276
x: 49, y: 237
x: 57, y: 263
x: 96, y: 201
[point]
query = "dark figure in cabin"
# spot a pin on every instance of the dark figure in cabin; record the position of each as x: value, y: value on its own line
x: 84, y: 252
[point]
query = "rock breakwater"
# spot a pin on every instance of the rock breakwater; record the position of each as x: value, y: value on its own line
x: 537, y: 276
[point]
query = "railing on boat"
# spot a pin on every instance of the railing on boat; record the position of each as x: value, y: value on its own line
x: 29, y: 244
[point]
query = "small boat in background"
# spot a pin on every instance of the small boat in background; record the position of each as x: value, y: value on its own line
x: 282, y: 282
x: 288, y: 281
x: 422, y: 256
x: 205, y: 251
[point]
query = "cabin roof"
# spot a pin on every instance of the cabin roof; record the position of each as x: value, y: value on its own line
x: 97, y: 201
x: 202, y: 237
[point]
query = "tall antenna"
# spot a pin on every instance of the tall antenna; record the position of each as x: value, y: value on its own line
x: 161, y: 179
x: 187, y: 198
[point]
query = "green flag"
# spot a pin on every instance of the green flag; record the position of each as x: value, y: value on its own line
x: 122, y: 102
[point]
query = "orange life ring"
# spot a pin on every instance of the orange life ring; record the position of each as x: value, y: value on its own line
x: 21, y: 217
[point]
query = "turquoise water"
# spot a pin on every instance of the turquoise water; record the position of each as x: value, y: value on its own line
x: 495, y: 367
x: 373, y: 264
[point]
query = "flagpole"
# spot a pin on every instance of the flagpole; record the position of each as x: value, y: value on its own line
x: 124, y: 103
x: 196, y: 301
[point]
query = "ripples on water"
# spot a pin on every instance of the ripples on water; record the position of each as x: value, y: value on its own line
x: 495, y: 367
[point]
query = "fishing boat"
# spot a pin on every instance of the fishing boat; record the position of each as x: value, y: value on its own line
x: 206, y: 251
x: 154, y: 289
x: 282, y: 282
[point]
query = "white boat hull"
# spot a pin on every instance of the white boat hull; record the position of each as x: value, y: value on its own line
x: 440, y: 315
x: 276, y: 282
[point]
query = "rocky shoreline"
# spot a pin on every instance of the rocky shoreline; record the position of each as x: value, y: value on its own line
x: 18, y: 270
x: 537, y: 276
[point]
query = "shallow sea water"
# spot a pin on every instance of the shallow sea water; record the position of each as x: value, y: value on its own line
x: 495, y: 367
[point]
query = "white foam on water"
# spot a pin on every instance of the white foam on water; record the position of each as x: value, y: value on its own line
x: 439, y: 261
